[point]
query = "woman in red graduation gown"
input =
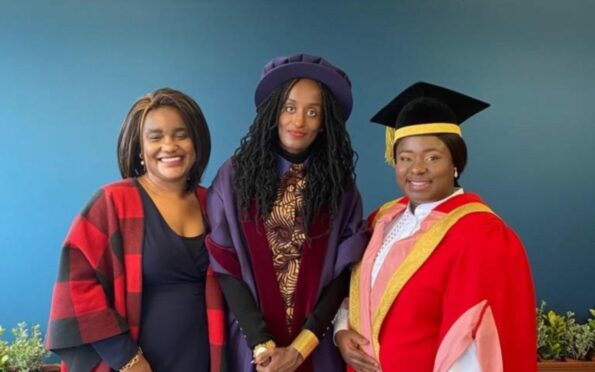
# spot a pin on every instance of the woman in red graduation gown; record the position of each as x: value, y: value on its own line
x: 444, y: 284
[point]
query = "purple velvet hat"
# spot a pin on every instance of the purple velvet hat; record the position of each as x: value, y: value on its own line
x: 281, y: 69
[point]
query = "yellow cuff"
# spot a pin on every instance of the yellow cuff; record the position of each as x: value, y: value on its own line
x: 305, y: 343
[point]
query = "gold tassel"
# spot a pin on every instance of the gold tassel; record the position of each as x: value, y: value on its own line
x: 390, y: 141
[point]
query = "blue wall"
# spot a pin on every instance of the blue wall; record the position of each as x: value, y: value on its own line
x: 69, y: 71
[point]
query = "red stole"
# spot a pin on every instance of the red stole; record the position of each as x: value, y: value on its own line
x: 269, y: 296
x: 368, y: 306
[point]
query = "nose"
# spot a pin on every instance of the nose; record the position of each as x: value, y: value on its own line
x: 169, y: 144
x: 418, y: 166
x: 299, y: 119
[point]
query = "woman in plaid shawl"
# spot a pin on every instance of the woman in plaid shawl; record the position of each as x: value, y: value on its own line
x: 133, y: 290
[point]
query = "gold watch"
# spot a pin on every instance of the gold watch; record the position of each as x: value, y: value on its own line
x: 269, y: 345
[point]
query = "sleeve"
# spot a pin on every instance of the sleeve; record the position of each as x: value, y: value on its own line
x: 245, y: 309
x: 320, y: 319
x: 81, y: 311
x: 116, y: 350
x: 354, y: 234
x: 223, y: 257
x: 341, y: 321
x: 226, y: 265
x: 352, y: 241
x: 489, y: 302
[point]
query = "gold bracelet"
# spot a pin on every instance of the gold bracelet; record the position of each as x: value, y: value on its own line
x: 305, y: 343
x: 132, y: 362
x: 269, y: 345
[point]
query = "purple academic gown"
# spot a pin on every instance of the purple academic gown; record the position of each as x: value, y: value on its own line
x: 347, y: 239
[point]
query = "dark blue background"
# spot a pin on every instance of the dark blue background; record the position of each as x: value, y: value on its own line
x: 69, y: 71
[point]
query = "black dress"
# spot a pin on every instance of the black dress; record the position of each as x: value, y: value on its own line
x: 173, y: 329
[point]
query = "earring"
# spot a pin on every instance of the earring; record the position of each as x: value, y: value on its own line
x: 456, y: 173
x: 142, y: 162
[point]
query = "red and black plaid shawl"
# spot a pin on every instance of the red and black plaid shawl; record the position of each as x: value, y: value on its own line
x: 98, y: 291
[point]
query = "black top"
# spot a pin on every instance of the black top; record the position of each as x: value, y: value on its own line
x: 173, y: 330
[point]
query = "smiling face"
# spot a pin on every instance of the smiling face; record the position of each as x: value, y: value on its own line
x: 167, y: 149
x: 424, y: 169
x: 301, y: 116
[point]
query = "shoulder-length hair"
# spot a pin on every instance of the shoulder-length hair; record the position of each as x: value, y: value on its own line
x: 130, y: 138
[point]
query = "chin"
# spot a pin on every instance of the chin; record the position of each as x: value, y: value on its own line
x: 419, y: 200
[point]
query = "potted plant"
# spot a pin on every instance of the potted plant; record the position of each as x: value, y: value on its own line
x: 562, y: 343
x: 25, y: 353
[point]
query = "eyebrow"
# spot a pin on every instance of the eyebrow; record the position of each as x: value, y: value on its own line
x: 159, y: 130
x: 426, y: 150
x: 308, y: 104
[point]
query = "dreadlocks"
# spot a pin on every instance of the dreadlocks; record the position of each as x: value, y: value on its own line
x: 329, y: 173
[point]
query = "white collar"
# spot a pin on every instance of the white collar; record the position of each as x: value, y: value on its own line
x: 422, y: 210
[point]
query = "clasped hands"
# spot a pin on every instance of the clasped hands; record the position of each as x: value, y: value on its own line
x: 279, y: 359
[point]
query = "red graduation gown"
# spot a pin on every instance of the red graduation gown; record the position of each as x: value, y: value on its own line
x: 467, y: 282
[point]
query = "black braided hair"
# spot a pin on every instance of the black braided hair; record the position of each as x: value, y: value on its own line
x: 330, y: 172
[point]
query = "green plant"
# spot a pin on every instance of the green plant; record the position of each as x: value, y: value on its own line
x: 560, y: 336
x: 25, y: 353
x: 579, y: 338
x: 591, y: 321
x: 541, y: 330
x: 3, y: 352
x: 591, y: 324
x: 555, y: 340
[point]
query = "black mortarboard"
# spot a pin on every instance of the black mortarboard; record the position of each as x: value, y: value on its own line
x: 425, y: 108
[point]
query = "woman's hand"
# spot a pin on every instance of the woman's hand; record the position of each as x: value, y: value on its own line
x: 349, y: 343
x: 142, y: 366
x: 280, y: 359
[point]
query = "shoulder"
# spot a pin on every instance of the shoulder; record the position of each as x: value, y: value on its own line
x: 487, y: 234
x: 226, y: 169
x: 380, y: 211
x: 115, y: 201
x: 224, y: 175
x: 120, y: 187
x: 351, y: 192
x: 480, y: 219
x: 201, y: 194
x: 121, y: 197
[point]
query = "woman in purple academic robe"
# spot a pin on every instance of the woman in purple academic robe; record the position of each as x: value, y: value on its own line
x: 286, y: 220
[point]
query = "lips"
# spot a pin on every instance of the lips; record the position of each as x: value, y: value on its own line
x: 295, y: 133
x: 418, y: 185
x: 170, y: 159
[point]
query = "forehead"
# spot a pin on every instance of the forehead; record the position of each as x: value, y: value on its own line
x: 305, y: 89
x: 421, y: 143
x: 163, y: 116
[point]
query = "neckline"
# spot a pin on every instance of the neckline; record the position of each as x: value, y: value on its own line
x: 146, y: 196
x: 294, y: 158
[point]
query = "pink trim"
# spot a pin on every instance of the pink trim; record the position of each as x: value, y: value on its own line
x: 476, y: 325
x: 398, y: 253
x: 366, y: 310
x: 489, y: 352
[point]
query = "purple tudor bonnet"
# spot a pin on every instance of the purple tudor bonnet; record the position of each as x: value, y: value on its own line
x: 281, y: 69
